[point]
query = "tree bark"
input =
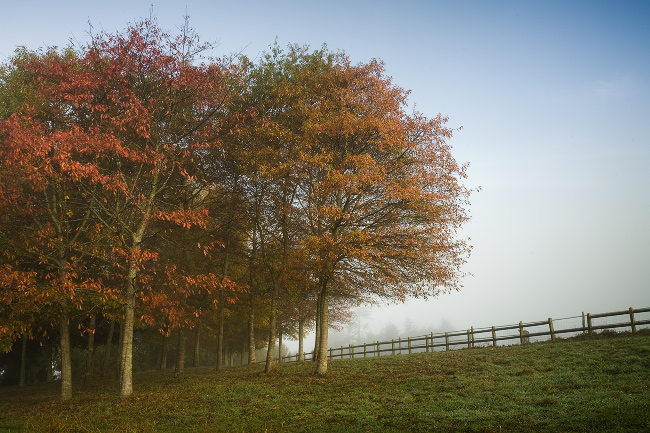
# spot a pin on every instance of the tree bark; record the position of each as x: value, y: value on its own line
x: 251, y: 335
x: 120, y: 345
x: 317, y: 331
x: 270, y: 354
x: 197, y: 342
x: 66, y: 363
x: 243, y: 351
x: 180, y: 354
x: 321, y: 365
x: 23, y: 360
x: 301, y: 336
x: 109, y: 347
x: 220, y: 332
x: 229, y: 357
x: 126, y: 362
x: 163, y: 356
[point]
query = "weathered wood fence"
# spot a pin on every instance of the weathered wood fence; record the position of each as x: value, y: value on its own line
x: 522, y: 333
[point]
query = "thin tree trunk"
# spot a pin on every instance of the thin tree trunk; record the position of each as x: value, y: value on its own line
x: 180, y: 354
x: 120, y: 346
x: 197, y: 341
x: 109, y: 347
x: 126, y: 371
x: 126, y: 361
x: 270, y: 354
x: 91, y: 346
x: 251, y: 335
x: 317, y: 339
x: 23, y: 360
x: 280, y: 345
x: 220, y: 332
x: 243, y: 352
x: 66, y: 363
x: 301, y: 336
x: 321, y: 365
x: 163, y: 356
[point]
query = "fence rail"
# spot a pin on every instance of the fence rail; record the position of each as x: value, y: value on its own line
x: 523, y: 332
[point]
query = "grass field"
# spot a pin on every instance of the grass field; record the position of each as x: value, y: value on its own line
x: 586, y: 385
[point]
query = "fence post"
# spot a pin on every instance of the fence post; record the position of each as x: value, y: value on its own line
x: 331, y: 353
x: 352, y: 350
x: 550, y: 327
x: 378, y: 348
x: 589, y: 323
x: 447, y: 340
x: 426, y: 343
x: 365, y: 351
x: 392, y: 345
x: 469, y: 338
x: 521, y: 333
x: 410, y: 345
x: 494, y: 337
x: 399, y: 345
x: 632, y: 322
x: 584, y: 329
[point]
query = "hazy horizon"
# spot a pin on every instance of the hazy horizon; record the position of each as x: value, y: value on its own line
x: 553, y: 99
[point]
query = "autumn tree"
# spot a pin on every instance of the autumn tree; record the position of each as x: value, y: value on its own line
x: 278, y: 88
x: 140, y: 109
x: 378, y: 194
x: 41, y: 150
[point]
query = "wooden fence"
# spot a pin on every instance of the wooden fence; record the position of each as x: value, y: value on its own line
x: 522, y: 333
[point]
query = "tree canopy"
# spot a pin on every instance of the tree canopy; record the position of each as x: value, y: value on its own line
x: 147, y: 184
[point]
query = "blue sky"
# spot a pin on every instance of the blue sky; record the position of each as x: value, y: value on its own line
x: 554, y: 101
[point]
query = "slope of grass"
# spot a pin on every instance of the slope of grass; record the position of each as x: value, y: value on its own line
x: 600, y: 384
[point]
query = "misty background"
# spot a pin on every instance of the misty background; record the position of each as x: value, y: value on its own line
x: 551, y: 102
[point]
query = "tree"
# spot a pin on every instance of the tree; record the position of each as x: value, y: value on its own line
x: 139, y: 113
x: 381, y: 195
x: 53, y: 235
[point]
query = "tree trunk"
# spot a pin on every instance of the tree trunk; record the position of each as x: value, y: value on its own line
x: 91, y: 346
x: 66, y: 363
x: 180, y: 354
x: 243, y: 352
x: 23, y: 360
x: 270, y: 354
x: 126, y: 362
x: 220, y: 332
x: 163, y: 356
x: 197, y: 340
x: 321, y: 365
x: 301, y: 336
x: 251, y: 335
x: 228, y: 355
x: 120, y: 345
x: 109, y: 347
x: 317, y: 339
x: 280, y: 345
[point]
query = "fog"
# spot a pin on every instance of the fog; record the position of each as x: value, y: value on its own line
x: 553, y: 99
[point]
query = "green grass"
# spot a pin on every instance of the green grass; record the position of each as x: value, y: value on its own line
x: 600, y: 384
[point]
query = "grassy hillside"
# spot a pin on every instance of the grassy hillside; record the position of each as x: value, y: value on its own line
x: 597, y: 384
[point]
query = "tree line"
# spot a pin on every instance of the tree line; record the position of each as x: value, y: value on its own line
x: 159, y: 189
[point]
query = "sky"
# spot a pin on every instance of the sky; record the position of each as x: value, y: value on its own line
x: 552, y: 103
